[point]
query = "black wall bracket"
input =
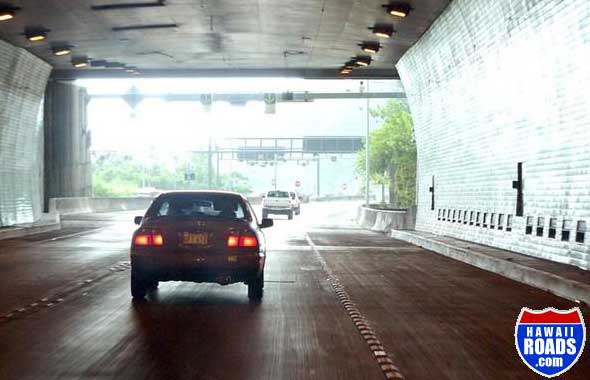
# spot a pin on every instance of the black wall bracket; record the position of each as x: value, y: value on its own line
x: 518, y: 186
x: 431, y: 189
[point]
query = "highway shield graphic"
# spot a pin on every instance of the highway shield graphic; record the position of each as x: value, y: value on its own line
x: 550, y: 341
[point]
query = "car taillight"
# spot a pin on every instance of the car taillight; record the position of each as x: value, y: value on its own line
x: 144, y: 239
x: 158, y: 240
x: 234, y: 241
x: 248, y: 241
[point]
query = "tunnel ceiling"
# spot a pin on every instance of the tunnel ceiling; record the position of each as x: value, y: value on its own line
x: 309, y: 38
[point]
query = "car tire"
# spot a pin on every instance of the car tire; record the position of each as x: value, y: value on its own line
x: 255, y: 287
x: 290, y: 216
x: 138, y: 285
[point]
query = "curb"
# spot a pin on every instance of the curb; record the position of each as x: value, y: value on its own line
x: 563, y: 287
x: 31, y: 229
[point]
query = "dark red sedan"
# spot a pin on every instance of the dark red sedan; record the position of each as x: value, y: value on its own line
x: 199, y: 236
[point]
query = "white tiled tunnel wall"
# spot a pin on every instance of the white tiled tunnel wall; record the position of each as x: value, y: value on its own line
x: 22, y: 84
x: 494, y: 83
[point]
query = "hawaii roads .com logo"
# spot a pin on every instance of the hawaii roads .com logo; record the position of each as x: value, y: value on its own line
x: 550, y: 341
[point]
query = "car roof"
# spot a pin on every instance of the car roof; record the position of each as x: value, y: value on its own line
x: 200, y: 192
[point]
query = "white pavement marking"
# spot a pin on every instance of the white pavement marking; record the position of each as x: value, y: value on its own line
x: 382, y: 357
x: 71, y: 235
x: 287, y: 247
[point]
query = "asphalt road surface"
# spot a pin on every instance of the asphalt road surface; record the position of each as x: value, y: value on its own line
x: 339, y: 303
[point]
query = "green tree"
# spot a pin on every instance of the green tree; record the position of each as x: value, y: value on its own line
x: 392, y: 153
x: 116, y: 175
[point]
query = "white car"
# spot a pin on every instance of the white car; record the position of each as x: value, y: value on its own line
x: 277, y: 202
x: 295, y: 202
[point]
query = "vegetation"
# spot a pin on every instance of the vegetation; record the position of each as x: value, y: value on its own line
x: 116, y: 175
x: 392, y: 154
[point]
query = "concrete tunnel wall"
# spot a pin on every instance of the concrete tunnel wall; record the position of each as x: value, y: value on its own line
x: 492, y: 84
x: 22, y: 82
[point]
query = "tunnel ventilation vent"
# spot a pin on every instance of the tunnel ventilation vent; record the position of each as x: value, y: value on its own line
x: 540, y: 225
x: 129, y: 5
x: 509, y: 223
x: 565, y: 230
x: 500, y: 222
x: 529, y: 225
x: 581, y: 231
x: 143, y: 27
x: 552, y: 228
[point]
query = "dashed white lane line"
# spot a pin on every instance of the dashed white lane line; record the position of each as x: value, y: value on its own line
x: 81, y: 233
x: 382, y: 357
x: 49, y: 302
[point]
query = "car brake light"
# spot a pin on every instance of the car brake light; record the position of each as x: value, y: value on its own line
x: 142, y: 240
x: 158, y: 240
x: 248, y: 241
x: 148, y: 239
x: 242, y: 241
x: 232, y: 241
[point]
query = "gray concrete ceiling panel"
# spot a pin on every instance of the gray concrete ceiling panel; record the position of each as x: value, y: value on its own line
x: 307, y: 35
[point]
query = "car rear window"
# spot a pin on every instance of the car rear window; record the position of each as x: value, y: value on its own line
x: 278, y: 194
x: 199, y: 205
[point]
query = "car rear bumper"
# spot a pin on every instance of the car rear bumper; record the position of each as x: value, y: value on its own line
x: 223, y: 269
x: 284, y: 211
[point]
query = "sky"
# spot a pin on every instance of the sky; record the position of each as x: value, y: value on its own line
x: 173, y: 127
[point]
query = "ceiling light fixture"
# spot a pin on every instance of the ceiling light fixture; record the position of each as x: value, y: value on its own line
x: 362, y: 60
x: 6, y: 15
x: 61, y: 50
x: 7, y: 12
x: 370, y: 47
x: 398, y: 9
x: 80, y: 62
x: 36, y: 34
x: 143, y: 27
x: 345, y: 70
x: 108, y: 7
x: 114, y: 65
x: 351, y: 64
x: 382, y: 30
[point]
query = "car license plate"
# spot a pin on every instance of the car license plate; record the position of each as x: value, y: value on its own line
x: 189, y: 238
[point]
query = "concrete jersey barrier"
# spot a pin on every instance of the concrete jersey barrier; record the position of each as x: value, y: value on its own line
x: 65, y: 206
x: 80, y: 205
x: 385, y: 220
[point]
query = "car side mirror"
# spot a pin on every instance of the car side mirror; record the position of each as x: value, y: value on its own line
x: 138, y: 220
x: 266, y: 222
